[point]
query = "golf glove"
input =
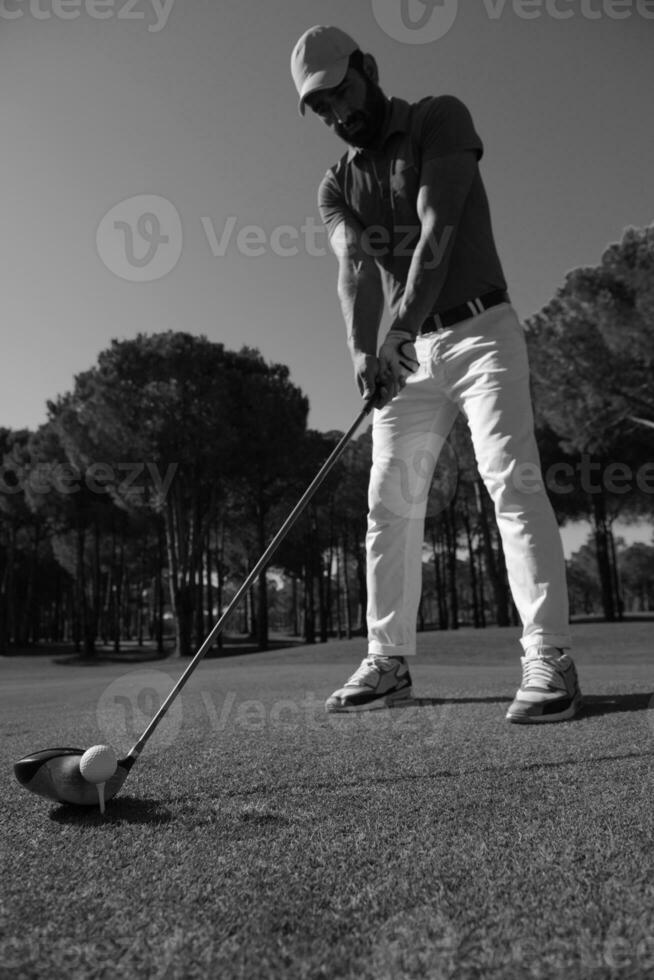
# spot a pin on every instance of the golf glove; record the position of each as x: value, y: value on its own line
x: 397, y: 357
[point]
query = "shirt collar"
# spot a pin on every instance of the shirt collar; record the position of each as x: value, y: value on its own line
x: 397, y: 122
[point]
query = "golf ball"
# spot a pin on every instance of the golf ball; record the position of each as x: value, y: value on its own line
x: 98, y: 763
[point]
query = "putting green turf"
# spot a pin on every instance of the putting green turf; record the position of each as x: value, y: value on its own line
x: 259, y: 837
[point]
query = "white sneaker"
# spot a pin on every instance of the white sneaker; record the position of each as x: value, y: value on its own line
x: 549, y: 690
x: 378, y: 683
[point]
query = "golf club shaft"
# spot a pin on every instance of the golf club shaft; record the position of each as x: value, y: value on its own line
x: 327, y: 466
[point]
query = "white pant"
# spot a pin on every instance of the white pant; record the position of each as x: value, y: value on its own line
x: 480, y: 368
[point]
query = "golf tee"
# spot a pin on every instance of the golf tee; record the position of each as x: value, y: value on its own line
x: 101, y: 795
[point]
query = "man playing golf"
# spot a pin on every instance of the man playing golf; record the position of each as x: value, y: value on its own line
x: 408, y: 219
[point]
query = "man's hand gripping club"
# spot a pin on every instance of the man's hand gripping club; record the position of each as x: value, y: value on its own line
x: 381, y: 378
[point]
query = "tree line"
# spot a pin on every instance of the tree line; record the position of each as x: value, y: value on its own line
x: 592, y: 352
x: 138, y: 507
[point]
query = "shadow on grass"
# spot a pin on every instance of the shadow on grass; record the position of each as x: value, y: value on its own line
x: 434, y: 702
x: 396, y: 779
x: 643, y: 617
x: 122, y: 809
x: 102, y: 659
x: 592, y: 760
x: 594, y: 705
x: 233, y: 646
x: 608, y: 704
x: 236, y: 646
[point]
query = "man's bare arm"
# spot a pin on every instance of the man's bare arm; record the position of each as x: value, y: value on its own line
x: 444, y: 186
x: 362, y: 301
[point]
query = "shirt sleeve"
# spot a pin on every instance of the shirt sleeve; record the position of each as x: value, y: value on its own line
x: 331, y: 203
x: 447, y: 127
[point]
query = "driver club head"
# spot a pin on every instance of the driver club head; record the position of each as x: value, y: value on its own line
x: 55, y: 774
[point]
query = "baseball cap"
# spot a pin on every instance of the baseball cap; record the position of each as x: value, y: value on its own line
x: 320, y: 59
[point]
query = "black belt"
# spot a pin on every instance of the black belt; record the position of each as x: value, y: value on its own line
x: 439, y: 321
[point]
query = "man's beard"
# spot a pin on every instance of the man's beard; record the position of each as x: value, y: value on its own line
x: 364, y: 126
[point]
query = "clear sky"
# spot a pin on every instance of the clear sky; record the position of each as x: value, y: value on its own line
x: 187, y: 106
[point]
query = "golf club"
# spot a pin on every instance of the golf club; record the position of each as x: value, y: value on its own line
x: 55, y: 773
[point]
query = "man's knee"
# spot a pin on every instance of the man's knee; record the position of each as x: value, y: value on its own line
x: 399, y: 489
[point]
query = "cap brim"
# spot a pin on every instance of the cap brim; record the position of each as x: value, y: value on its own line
x: 321, y: 80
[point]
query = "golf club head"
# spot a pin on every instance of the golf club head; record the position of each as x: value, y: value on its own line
x: 54, y: 773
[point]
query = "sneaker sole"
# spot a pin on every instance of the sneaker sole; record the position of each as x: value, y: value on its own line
x: 385, y: 701
x: 566, y: 715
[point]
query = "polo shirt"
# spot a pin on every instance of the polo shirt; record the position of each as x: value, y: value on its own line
x: 379, y: 188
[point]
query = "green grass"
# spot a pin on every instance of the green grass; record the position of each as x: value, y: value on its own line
x: 259, y: 837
